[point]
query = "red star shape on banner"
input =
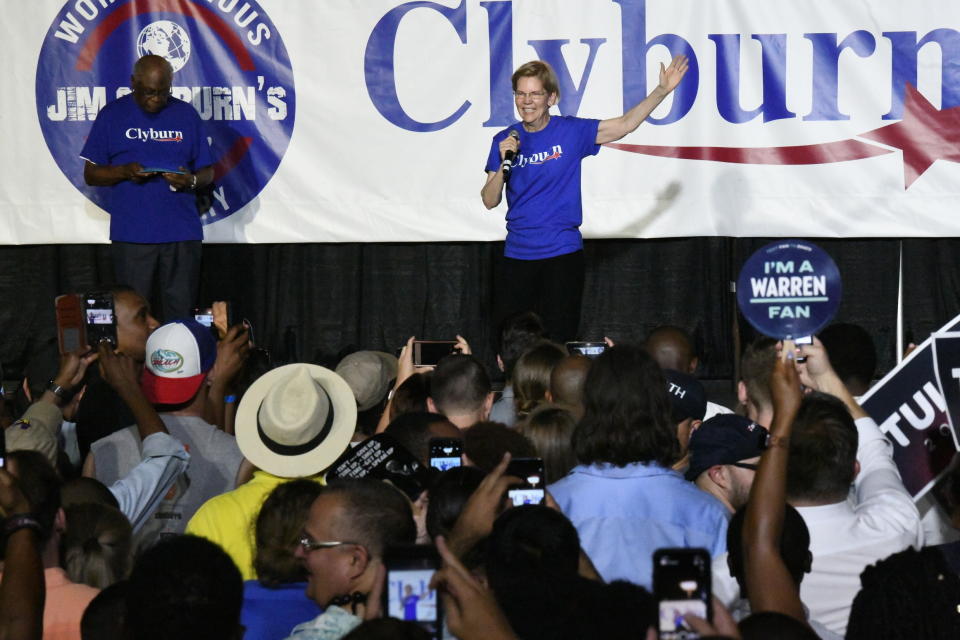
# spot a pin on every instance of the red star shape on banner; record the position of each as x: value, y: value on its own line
x: 925, y: 135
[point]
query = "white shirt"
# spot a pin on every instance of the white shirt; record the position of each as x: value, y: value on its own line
x: 714, y: 409
x: 878, y: 520
x: 937, y: 528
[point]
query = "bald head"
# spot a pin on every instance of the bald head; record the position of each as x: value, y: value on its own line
x: 151, y: 81
x: 566, y: 381
x: 150, y: 64
x: 672, y: 348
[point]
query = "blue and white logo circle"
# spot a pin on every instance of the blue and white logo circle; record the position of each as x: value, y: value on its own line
x: 229, y: 62
x: 789, y: 289
x: 166, y: 39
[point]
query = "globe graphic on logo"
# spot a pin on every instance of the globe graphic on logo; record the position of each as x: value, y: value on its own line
x: 165, y: 39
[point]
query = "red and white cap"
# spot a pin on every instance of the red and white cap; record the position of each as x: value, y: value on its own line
x: 179, y: 354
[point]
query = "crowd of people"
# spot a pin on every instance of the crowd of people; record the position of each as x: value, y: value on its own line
x: 175, y: 485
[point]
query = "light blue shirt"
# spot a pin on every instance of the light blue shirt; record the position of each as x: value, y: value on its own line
x: 139, y: 492
x: 503, y: 409
x: 624, y: 514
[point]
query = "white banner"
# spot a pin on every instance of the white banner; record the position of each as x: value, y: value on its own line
x: 371, y: 120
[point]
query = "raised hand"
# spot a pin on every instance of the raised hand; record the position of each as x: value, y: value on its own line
x: 671, y: 76
x: 232, y: 352
x: 471, y: 610
x: 483, y: 507
x: 73, y: 366
x: 118, y: 370
x: 785, y: 386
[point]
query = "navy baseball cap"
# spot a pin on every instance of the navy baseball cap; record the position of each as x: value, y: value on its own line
x: 687, y: 397
x: 724, y: 439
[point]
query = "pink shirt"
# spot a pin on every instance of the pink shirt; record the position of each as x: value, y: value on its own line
x: 64, y: 606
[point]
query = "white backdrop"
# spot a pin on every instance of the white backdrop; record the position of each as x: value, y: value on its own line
x: 350, y: 174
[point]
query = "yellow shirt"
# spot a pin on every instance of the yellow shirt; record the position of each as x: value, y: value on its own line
x: 230, y: 519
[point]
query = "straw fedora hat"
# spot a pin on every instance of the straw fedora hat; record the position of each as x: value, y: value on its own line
x: 296, y: 420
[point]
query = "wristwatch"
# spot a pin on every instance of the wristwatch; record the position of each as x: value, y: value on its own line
x: 56, y: 389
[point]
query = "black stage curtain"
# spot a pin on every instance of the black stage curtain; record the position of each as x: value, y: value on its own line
x: 931, y: 295
x: 313, y: 301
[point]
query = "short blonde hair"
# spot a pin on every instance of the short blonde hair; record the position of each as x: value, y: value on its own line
x: 540, y: 70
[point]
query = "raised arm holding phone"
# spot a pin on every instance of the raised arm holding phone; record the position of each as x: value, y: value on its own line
x: 769, y: 583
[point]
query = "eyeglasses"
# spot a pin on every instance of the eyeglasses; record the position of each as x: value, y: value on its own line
x: 745, y: 465
x: 153, y: 93
x: 308, y: 544
x: 535, y: 95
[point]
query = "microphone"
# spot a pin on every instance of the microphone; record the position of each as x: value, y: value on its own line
x: 507, y: 164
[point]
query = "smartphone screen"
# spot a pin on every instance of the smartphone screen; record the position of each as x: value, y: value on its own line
x: 589, y: 349
x: 803, y: 340
x: 101, y: 323
x: 681, y: 585
x: 531, y: 491
x: 427, y: 353
x: 204, y: 316
x: 407, y: 594
x: 445, y: 453
x: 96, y: 315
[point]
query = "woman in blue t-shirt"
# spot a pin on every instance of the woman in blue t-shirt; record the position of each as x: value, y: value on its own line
x: 542, y: 269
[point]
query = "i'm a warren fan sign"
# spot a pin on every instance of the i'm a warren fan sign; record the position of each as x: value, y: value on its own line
x: 789, y: 289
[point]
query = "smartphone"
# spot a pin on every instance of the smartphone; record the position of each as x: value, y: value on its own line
x: 427, y: 353
x: 589, y: 349
x: 681, y: 585
x: 803, y: 340
x: 3, y: 449
x: 160, y: 170
x: 407, y: 594
x: 531, y: 490
x: 100, y: 320
x: 204, y: 316
x: 71, y: 327
x: 445, y: 453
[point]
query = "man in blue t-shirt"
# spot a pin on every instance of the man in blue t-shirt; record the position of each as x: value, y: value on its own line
x: 542, y: 269
x: 151, y: 151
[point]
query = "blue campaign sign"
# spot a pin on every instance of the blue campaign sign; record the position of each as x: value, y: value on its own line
x: 911, y: 408
x: 789, y: 289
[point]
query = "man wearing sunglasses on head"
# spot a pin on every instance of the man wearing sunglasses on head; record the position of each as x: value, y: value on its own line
x: 724, y: 454
x: 149, y: 152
